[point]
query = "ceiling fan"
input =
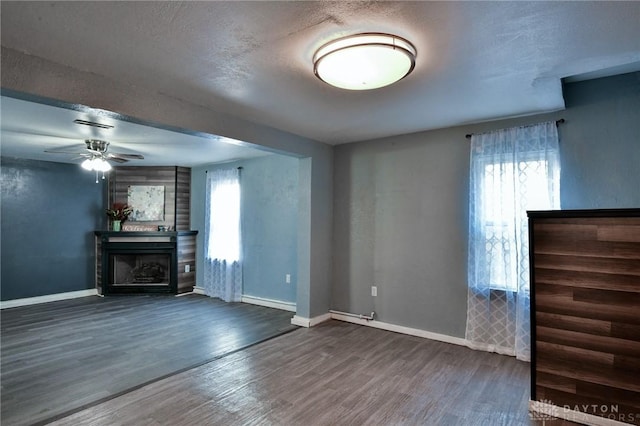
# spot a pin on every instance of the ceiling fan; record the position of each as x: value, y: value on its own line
x: 97, y: 148
x: 97, y: 156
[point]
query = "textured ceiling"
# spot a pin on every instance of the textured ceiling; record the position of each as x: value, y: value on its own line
x: 476, y: 61
x: 30, y: 128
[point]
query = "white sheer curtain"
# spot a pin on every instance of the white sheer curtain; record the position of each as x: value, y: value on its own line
x: 512, y: 171
x: 222, y: 236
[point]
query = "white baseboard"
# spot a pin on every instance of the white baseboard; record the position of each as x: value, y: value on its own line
x: 47, y: 298
x: 300, y: 321
x: 492, y: 348
x: 254, y: 300
x: 269, y: 303
x: 401, y: 329
x: 539, y: 410
x: 310, y: 322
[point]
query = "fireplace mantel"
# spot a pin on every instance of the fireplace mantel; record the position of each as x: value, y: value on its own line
x: 178, y: 247
x: 144, y: 234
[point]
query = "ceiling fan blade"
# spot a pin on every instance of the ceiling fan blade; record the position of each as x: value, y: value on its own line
x: 130, y: 156
x: 39, y: 134
x: 97, y: 149
x: 117, y: 159
x: 62, y: 152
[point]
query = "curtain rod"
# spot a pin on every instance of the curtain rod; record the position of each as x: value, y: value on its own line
x: 239, y: 168
x: 468, y: 136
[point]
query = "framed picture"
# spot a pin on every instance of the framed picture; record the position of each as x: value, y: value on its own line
x: 147, y: 202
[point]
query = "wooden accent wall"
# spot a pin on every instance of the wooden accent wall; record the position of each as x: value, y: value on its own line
x: 585, y: 311
x: 183, y: 199
x: 186, y: 256
x: 177, y: 213
x: 98, y: 245
x: 177, y: 187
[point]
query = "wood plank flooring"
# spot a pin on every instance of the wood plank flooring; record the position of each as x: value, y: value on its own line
x: 333, y: 374
x: 62, y: 356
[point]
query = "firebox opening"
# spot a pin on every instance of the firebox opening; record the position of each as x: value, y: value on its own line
x: 141, y: 269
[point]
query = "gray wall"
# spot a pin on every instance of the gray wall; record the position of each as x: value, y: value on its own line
x: 400, y: 224
x: 49, y: 213
x: 401, y: 203
x: 269, y: 224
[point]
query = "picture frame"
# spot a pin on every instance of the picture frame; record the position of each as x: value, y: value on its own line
x: 147, y: 202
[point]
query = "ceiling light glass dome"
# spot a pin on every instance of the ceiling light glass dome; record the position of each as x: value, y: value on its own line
x: 364, y: 61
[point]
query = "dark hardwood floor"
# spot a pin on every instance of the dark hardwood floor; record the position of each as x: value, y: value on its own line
x: 333, y: 374
x: 59, y: 357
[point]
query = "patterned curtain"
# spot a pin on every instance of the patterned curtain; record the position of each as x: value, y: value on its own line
x: 222, y: 236
x: 512, y: 171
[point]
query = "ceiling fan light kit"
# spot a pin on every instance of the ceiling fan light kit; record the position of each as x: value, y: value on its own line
x: 364, y: 61
x: 97, y: 164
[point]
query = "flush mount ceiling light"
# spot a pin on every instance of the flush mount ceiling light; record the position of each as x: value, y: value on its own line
x: 364, y: 61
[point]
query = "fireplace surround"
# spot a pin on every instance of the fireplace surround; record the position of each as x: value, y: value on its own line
x: 144, y: 262
x: 143, y: 257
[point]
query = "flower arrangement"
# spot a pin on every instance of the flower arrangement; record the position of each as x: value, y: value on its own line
x: 120, y: 211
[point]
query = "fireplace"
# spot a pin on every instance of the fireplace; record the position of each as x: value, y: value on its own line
x: 129, y: 262
x: 139, y: 264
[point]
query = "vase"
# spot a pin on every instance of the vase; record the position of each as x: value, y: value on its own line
x: 116, y: 225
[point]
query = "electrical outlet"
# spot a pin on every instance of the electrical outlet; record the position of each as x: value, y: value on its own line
x: 187, y: 268
x: 374, y: 290
x: 287, y: 278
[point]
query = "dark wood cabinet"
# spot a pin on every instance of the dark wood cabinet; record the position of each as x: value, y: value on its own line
x: 585, y: 314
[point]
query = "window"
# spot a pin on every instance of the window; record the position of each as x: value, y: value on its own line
x: 224, y: 221
x: 506, y: 188
x: 512, y: 171
x: 222, y: 236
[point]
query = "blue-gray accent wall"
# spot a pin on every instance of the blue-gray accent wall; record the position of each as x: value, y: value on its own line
x: 269, y: 203
x: 49, y: 212
x: 401, y: 203
x: 600, y: 143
